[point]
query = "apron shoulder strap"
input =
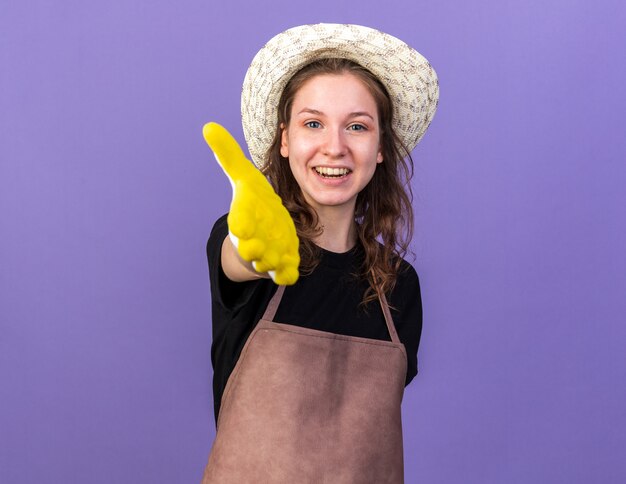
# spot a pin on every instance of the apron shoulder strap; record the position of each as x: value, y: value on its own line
x: 388, y: 319
x: 272, y: 306
x: 391, y: 327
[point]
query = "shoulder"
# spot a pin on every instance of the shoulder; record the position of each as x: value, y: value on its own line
x: 407, y: 291
x: 407, y: 274
x: 214, y: 244
x: 218, y: 232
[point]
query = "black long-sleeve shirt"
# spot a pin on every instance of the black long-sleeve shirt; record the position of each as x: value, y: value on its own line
x: 328, y: 300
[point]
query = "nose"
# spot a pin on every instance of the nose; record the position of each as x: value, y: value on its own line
x: 335, y: 143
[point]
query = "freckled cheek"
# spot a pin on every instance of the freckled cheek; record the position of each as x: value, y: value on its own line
x: 368, y: 156
x: 298, y: 167
x: 302, y: 154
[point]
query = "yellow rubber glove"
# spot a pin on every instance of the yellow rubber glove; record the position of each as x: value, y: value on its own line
x: 259, y: 225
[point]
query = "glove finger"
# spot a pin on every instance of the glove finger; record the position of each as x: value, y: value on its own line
x: 268, y: 262
x: 290, y: 260
x: 251, y: 249
x: 286, y: 276
x: 229, y: 154
x: 242, y: 219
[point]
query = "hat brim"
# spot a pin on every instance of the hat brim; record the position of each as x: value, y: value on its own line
x: 408, y: 77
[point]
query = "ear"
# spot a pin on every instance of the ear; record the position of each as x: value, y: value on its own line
x: 379, y: 156
x: 284, y: 141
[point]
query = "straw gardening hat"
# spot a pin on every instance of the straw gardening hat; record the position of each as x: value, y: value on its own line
x: 407, y: 75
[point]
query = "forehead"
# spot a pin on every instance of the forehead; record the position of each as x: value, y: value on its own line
x: 335, y: 90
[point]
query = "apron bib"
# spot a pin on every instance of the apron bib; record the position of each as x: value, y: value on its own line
x: 310, y: 406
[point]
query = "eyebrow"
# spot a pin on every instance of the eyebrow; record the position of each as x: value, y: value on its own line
x: 355, y: 114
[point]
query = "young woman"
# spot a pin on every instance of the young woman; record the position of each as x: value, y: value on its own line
x: 309, y: 378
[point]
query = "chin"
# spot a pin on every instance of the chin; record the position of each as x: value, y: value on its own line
x: 333, y: 201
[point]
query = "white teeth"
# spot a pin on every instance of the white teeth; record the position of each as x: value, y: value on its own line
x: 325, y: 171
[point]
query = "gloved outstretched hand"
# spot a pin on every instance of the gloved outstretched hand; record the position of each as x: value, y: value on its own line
x: 259, y: 226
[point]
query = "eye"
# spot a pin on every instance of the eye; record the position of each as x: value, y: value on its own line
x: 357, y: 127
x: 312, y: 124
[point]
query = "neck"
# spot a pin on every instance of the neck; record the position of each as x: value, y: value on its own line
x: 338, y: 229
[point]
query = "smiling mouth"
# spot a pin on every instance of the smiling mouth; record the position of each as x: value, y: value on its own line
x: 332, y: 172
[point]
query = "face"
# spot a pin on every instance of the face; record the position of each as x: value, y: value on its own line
x: 333, y: 140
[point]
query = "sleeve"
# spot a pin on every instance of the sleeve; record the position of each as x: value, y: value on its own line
x: 228, y: 294
x: 407, y: 299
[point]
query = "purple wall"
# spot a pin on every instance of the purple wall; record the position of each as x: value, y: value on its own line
x: 108, y: 193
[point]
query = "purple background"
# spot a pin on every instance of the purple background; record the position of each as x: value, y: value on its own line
x: 108, y: 193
